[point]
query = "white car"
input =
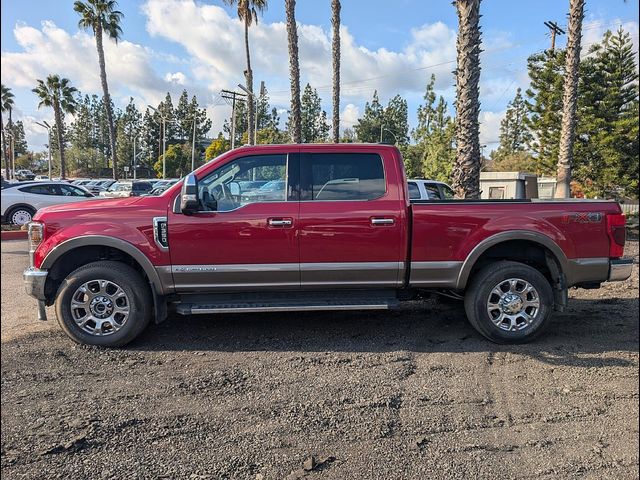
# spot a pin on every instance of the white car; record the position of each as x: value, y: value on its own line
x: 420, y: 189
x: 42, y: 178
x: 21, y: 201
x: 118, y: 189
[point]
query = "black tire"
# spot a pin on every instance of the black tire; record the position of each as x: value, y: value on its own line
x: 21, y: 208
x: 140, y: 302
x: 479, y: 292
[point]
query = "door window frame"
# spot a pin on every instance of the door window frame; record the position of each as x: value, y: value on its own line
x: 306, y: 177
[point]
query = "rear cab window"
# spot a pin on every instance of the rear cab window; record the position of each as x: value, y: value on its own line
x: 414, y: 191
x: 342, y: 176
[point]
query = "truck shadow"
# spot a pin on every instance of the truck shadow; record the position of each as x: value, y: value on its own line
x: 588, y: 327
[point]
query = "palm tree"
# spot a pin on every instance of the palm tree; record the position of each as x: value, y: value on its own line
x: 466, y: 171
x: 6, y: 102
x: 294, y: 71
x: 248, y: 13
x: 58, y: 94
x: 100, y: 16
x: 569, y: 99
x: 335, y: 52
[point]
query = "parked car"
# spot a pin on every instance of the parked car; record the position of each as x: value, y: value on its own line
x: 420, y: 189
x: 162, y: 185
x: 42, y: 178
x: 22, y: 175
x: 97, y: 186
x: 117, y: 189
x: 141, y: 187
x: 21, y: 201
x: 344, y: 236
x: 272, y: 190
x: 80, y: 181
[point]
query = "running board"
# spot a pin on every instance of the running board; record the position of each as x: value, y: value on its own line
x: 297, y: 303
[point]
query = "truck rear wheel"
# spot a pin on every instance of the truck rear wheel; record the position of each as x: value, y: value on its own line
x: 509, y: 302
x: 103, y: 303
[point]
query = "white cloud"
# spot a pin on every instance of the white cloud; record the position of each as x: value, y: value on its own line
x: 349, y: 116
x: 490, y: 129
x: 178, y: 78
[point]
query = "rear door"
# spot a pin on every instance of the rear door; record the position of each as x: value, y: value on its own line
x: 352, y: 219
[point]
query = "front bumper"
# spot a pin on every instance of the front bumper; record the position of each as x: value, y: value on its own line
x: 620, y: 269
x: 34, y: 281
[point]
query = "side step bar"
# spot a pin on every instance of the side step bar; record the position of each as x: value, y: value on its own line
x: 297, y: 303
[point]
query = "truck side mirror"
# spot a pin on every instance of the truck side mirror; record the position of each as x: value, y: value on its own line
x: 189, y: 195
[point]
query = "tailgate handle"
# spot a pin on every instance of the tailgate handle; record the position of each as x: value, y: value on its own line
x: 280, y: 222
x: 382, y: 221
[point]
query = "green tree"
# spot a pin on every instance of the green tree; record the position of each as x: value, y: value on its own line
x: 544, y: 105
x: 217, y: 147
x: 433, y: 156
x: 395, y: 122
x: 101, y: 17
x: 606, y: 150
x: 314, y: 120
x: 6, y: 105
x: 514, y: 133
x: 368, y: 126
x: 58, y: 94
x: 178, y: 161
x: 19, y: 138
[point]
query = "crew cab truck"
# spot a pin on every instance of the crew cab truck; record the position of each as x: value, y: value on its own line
x: 335, y: 231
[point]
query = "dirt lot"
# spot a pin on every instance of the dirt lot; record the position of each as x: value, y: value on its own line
x: 410, y: 394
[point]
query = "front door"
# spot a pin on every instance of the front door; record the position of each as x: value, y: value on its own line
x: 244, y: 236
x: 351, y: 220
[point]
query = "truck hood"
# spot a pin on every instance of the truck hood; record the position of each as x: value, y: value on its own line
x: 97, y: 204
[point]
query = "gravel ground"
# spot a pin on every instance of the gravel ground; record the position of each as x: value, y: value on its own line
x: 414, y: 393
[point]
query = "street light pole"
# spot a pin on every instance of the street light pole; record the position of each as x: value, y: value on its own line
x: 164, y: 140
x: 12, y: 146
x: 48, y: 127
x: 193, y: 146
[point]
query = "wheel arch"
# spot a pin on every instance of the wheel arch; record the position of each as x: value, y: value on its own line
x: 504, y: 239
x: 75, y: 252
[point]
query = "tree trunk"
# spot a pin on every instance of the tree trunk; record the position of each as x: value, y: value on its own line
x: 107, y: 100
x: 466, y: 171
x: 249, y: 79
x: 569, y: 99
x: 59, y: 128
x: 5, y: 152
x: 294, y: 71
x: 335, y: 50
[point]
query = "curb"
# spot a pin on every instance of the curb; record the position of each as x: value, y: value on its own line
x: 13, y: 235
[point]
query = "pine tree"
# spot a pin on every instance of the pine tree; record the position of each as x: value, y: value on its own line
x: 395, y: 122
x: 514, y: 133
x: 544, y: 105
x: 368, y: 126
x: 314, y: 124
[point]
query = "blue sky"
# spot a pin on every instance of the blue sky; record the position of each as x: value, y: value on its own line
x: 392, y: 47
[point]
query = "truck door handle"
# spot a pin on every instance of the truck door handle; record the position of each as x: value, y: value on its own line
x: 280, y: 222
x: 382, y: 221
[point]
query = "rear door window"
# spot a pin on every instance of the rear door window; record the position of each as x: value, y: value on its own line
x: 432, y: 191
x: 344, y: 176
x: 414, y: 191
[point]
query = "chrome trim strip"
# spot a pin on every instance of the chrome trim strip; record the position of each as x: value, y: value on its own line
x: 620, y: 270
x: 435, y: 274
x: 292, y: 308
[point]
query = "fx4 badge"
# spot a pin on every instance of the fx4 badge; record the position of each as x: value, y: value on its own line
x: 582, y: 217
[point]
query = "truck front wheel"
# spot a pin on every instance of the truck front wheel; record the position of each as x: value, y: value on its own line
x: 103, y: 303
x: 509, y: 302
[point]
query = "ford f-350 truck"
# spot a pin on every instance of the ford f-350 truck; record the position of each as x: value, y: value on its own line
x: 314, y: 227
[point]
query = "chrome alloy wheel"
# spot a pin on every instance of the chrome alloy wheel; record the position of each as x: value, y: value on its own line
x: 513, y: 304
x: 100, y: 307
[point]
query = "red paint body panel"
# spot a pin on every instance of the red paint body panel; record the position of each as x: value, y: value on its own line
x: 341, y: 231
x: 449, y: 231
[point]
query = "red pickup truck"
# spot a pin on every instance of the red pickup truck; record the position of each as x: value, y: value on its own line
x: 314, y: 227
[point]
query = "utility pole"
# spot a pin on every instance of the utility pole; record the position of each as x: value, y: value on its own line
x: 193, y: 146
x: 133, y: 162
x: 555, y: 30
x: 233, y: 96
x: 164, y: 140
x: 48, y: 127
